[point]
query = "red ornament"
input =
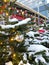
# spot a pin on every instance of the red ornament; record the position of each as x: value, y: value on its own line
x: 41, y: 31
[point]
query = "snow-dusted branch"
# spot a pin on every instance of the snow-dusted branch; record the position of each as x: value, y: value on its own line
x: 18, y: 24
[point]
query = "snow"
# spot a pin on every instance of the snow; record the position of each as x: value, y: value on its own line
x: 47, y: 63
x: 36, y: 60
x: 8, y: 63
x: 21, y: 63
x: 2, y: 32
x: 24, y: 56
x: 7, y: 26
x: 27, y: 64
x: 30, y: 39
x: 37, y: 48
x: 41, y: 59
x: 44, y: 37
x: 31, y: 33
x: 2, y: 22
x: 44, y: 40
x: 25, y: 21
x: 13, y: 20
x: 34, y: 48
x: 19, y: 23
x: 47, y: 54
x: 26, y: 41
x: 36, y: 41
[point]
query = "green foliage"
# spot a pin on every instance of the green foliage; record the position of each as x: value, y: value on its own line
x: 45, y: 44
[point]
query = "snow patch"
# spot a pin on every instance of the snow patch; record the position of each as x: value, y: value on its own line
x: 19, y: 23
x: 37, y: 48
